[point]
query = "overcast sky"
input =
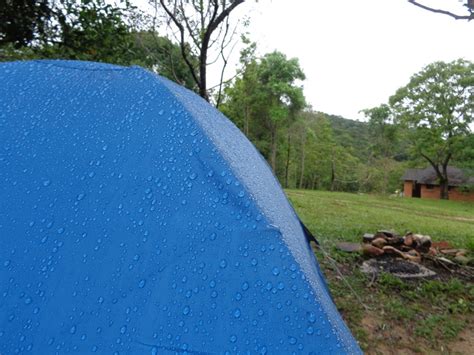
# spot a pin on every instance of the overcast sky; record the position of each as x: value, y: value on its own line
x: 355, y: 54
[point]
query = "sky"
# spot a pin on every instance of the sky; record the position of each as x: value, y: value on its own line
x: 355, y: 54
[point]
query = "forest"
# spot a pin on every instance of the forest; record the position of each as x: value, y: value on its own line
x: 428, y: 122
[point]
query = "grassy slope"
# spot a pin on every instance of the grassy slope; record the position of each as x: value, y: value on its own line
x: 337, y: 216
x: 388, y: 314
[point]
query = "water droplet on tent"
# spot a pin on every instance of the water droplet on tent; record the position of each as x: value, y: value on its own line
x: 72, y: 330
x: 80, y: 196
x: 223, y: 263
x: 276, y: 271
x: 292, y: 340
x: 186, y: 310
x: 142, y: 283
x: 310, y: 330
x: 237, y: 313
x: 123, y: 329
x: 245, y: 286
x: 233, y: 338
x: 46, y: 183
x: 193, y: 176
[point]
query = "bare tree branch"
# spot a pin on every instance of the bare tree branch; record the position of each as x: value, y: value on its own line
x: 469, y: 5
x: 182, y: 43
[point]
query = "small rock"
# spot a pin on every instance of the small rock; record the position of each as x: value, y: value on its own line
x: 461, y: 259
x: 379, y: 242
x: 461, y: 252
x: 421, y: 242
x: 408, y: 240
x: 450, y: 251
x: 349, y: 247
x: 397, y: 240
x: 413, y: 255
x: 370, y: 250
x: 367, y: 238
x: 388, y: 234
x: 441, y: 245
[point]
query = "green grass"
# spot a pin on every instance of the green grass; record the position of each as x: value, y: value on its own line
x: 335, y: 216
x: 388, y: 313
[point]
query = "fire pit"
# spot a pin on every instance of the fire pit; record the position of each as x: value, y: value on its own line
x: 396, y: 266
x: 404, y: 256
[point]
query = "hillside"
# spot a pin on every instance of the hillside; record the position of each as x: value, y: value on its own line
x: 351, y: 134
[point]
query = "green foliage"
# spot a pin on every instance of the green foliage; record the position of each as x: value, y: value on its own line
x: 265, y: 99
x: 82, y: 29
x: 437, y: 107
x: 162, y: 56
x: 92, y: 30
x: 24, y: 21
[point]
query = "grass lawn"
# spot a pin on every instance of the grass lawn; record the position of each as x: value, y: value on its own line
x: 388, y: 315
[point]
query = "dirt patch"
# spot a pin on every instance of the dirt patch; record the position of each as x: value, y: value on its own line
x: 394, y: 339
x: 465, y: 342
x: 390, y: 339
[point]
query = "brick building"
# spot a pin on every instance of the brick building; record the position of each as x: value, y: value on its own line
x: 423, y: 183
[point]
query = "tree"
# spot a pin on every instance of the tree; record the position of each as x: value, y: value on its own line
x: 468, y: 4
x: 199, y: 26
x: 264, y: 99
x: 277, y: 78
x: 79, y: 29
x: 24, y: 21
x: 93, y: 30
x: 383, y: 148
x: 162, y: 56
x: 437, y: 107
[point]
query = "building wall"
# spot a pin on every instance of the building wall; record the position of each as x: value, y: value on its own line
x: 454, y: 194
x: 407, y: 188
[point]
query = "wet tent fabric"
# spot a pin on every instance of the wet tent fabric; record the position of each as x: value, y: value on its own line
x: 135, y: 218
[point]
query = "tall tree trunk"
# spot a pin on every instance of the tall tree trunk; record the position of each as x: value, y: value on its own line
x: 314, y: 184
x: 385, y: 177
x: 442, y: 175
x: 444, y: 190
x: 288, y: 153
x: 273, y: 149
x: 303, y: 153
x: 333, y: 176
x: 203, y: 71
x: 444, y: 184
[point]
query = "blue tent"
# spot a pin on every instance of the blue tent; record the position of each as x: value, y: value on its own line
x: 135, y: 218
